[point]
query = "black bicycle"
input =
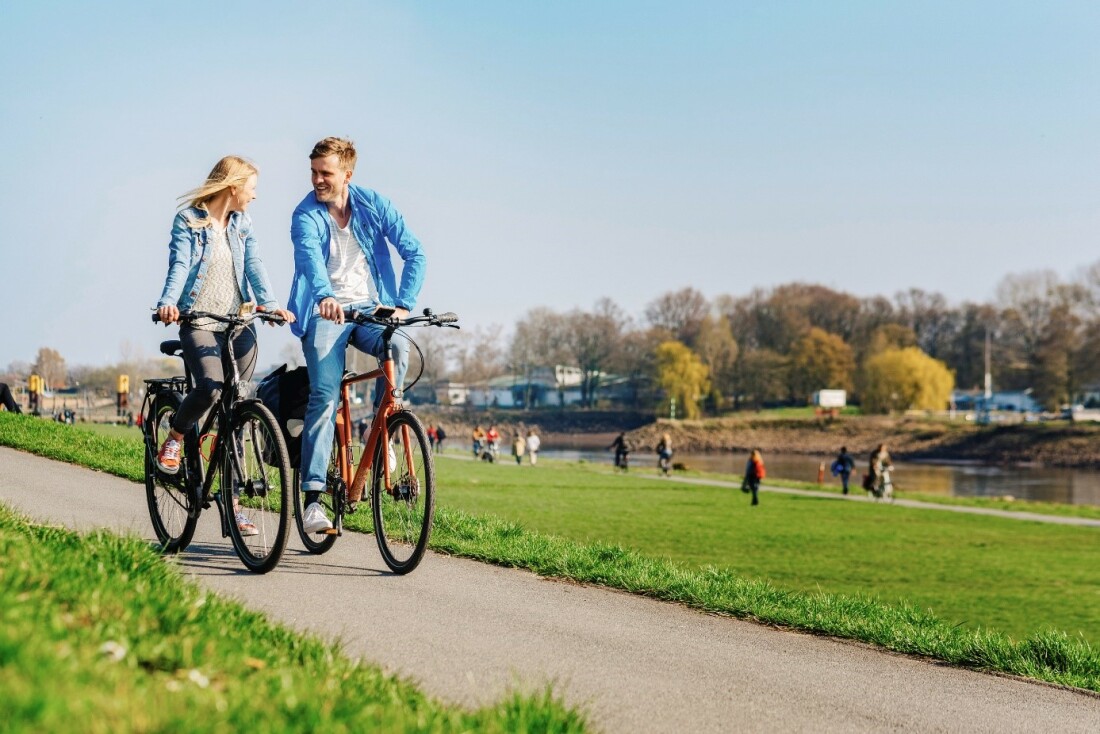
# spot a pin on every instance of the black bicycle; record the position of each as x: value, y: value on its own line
x: 240, y: 443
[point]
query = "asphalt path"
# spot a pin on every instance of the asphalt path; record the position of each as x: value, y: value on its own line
x: 468, y: 632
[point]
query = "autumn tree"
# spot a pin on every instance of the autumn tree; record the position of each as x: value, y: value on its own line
x: 682, y: 376
x: 820, y: 361
x: 905, y: 379
x: 760, y: 378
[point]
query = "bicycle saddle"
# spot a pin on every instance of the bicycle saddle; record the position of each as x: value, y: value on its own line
x: 172, y: 348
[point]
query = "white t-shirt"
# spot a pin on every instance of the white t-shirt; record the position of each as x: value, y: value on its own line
x: 533, y: 443
x: 347, y: 268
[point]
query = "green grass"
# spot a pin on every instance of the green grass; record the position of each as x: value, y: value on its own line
x: 953, y: 587
x: 97, y: 634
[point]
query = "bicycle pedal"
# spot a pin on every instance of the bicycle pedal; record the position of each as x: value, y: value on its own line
x: 328, y: 531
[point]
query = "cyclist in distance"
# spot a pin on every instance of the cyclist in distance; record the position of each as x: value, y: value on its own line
x: 342, y: 235
x: 214, y: 265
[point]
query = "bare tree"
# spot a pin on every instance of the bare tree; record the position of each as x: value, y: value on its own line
x: 680, y: 312
x: 50, y: 366
x: 592, y: 339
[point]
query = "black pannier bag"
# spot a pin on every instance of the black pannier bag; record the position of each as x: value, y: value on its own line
x: 286, y: 393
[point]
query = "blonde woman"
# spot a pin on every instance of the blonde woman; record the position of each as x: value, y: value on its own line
x: 213, y: 265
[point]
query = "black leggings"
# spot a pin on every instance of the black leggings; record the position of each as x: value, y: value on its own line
x: 202, y: 350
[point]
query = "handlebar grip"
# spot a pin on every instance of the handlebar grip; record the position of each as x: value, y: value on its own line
x: 156, y: 317
x: 446, y: 318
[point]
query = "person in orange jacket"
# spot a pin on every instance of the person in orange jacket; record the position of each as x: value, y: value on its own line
x: 754, y: 472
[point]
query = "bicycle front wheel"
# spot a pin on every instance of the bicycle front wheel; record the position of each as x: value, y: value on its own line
x: 402, y: 511
x: 255, y: 486
x: 331, y: 501
x: 171, y: 499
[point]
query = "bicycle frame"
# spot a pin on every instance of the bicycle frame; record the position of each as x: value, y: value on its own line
x: 377, y: 436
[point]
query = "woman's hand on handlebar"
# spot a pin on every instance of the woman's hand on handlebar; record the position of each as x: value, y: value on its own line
x: 282, y: 313
x: 168, y: 314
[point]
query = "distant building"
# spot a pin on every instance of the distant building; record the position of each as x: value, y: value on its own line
x: 1013, y: 401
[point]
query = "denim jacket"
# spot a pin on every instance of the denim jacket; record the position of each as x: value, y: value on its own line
x: 376, y: 224
x: 188, y: 261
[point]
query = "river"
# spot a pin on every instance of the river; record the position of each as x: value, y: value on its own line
x: 1041, y: 484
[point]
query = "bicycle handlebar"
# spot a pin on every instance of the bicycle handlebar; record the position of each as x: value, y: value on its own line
x: 429, y: 318
x: 186, y: 316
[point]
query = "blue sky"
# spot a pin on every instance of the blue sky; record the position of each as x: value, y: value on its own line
x: 551, y: 154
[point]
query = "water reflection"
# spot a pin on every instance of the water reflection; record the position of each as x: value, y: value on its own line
x: 1067, y: 486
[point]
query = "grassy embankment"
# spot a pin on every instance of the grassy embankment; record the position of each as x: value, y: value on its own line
x: 97, y: 633
x: 801, y: 562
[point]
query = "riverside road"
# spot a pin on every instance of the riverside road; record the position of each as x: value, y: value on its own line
x: 469, y: 632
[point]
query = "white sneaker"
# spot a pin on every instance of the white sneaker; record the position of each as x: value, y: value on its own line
x: 314, y: 520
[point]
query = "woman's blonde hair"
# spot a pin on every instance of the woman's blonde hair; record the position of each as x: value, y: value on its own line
x: 229, y: 171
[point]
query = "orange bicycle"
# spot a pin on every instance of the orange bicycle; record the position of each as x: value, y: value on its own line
x: 395, y: 457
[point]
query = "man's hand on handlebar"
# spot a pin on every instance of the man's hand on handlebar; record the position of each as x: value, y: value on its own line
x: 330, y: 309
x: 398, y: 312
x: 168, y: 314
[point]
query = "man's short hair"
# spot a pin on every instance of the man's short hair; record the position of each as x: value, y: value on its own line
x: 342, y: 148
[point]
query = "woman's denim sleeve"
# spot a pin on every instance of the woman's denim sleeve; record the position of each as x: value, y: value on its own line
x: 179, y: 262
x: 408, y: 247
x: 254, y: 270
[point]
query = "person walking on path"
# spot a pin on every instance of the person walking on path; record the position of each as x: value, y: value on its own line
x: 622, y: 452
x: 478, y: 439
x: 342, y: 235
x: 879, y: 471
x: 431, y: 437
x: 843, y: 466
x: 533, y: 443
x: 519, y: 446
x: 440, y: 435
x: 492, y: 441
x: 754, y: 472
x: 664, y: 454
x: 214, y: 265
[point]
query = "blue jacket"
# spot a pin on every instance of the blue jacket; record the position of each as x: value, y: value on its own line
x: 188, y: 261
x: 374, y: 222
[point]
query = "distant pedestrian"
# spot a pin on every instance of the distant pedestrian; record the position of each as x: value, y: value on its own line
x: 492, y: 441
x: 431, y: 437
x: 622, y: 452
x: 879, y: 468
x: 477, y: 438
x: 533, y: 443
x: 7, y: 401
x: 519, y: 447
x: 440, y: 434
x: 843, y: 466
x: 754, y: 472
x: 664, y: 454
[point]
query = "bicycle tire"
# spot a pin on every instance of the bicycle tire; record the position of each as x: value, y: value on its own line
x: 403, y: 518
x: 172, y: 499
x: 262, y: 454
x: 318, y: 544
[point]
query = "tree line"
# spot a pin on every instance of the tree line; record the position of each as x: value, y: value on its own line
x: 776, y: 346
x: 773, y: 346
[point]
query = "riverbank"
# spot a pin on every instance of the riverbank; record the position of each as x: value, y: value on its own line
x: 1056, y: 444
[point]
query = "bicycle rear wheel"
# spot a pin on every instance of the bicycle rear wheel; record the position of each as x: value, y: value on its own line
x: 171, y: 499
x: 331, y: 505
x: 260, y: 480
x: 403, y: 512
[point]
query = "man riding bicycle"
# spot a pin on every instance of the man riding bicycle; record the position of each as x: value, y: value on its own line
x: 342, y: 235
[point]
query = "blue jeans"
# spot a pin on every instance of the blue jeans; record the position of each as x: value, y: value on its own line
x: 324, y: 345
